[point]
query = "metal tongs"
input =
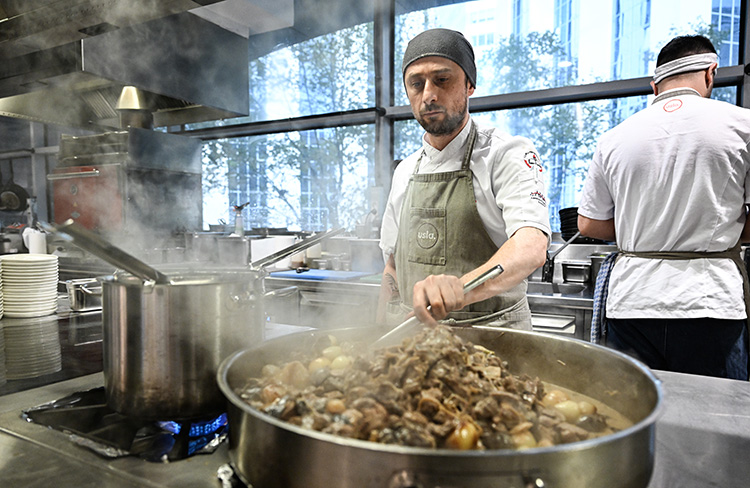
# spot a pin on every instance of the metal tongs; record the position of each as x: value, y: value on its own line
x: 407, y: 327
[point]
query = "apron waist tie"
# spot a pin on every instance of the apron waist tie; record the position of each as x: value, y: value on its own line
x: 733, y: 254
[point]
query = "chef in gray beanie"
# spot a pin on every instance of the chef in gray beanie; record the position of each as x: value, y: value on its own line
x: 469, y: 200
x: 445, y: 43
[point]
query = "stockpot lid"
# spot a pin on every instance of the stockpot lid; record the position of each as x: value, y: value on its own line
x: 190, y: 277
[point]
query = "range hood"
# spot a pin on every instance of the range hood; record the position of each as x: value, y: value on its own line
x: 70, y: 70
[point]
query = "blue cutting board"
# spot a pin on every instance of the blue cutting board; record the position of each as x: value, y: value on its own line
x: 320, y: 274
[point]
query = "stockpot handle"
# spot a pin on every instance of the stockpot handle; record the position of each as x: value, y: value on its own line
x: 74, y: 174
x: 91, y: 242
x: 295, y: 248
x: 287, y: 291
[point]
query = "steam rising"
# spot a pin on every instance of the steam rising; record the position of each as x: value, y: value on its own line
x: 184, y: 76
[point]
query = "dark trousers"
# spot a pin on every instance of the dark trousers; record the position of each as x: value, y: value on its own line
x: 709, y: 347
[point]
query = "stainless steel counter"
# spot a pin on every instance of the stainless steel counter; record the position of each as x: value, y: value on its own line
x: 702, y: 439
x: 702, y: 436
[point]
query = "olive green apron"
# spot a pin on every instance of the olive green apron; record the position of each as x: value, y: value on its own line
x: 440, y: 232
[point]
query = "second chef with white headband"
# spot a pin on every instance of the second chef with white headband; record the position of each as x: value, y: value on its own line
x: 471, y: 198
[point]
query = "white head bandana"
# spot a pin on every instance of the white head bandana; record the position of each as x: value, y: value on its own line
x: 694, y: 62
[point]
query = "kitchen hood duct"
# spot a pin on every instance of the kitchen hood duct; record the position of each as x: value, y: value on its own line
x: 35, y: 25
x: 187, y: 69
x: 133, y: 109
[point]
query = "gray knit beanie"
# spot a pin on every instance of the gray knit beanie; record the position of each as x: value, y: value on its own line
x: 445, y: 43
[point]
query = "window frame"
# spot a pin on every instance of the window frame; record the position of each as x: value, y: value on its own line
x: 385, y: 113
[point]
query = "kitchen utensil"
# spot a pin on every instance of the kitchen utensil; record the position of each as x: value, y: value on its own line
x: 239, y: 226
x: 271, y: 453
x: 410, y: 325
x: 576, y: 271
x: 13, y: 197
x: 548, y: 270
x: 294, y: 248
x: 84, y: 294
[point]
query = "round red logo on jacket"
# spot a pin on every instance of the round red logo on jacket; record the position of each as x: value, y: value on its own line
x: 672, y: 105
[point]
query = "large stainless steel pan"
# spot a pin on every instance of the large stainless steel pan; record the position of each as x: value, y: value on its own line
x: 269, y: 453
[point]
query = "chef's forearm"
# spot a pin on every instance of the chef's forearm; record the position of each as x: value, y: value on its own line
x: 388, y: 289
x: 520, y: 256
x: 598, y: 229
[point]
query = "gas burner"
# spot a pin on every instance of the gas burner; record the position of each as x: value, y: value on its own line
x: 90, y: 423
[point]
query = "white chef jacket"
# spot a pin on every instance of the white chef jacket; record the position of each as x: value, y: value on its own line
x: 674, y: 177
x: 508, y: 183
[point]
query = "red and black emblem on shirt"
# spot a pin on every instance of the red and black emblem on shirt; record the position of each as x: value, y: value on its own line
x: 538, y: 197
x: 532, y: 160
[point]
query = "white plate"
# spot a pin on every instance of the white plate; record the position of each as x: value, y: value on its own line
x: 30, y: 292
x: 30, y: 284
x: 28, y: 258
x: 50, y: 298
x: 29, y: 273
x: 30, y: 281
x: 29, y: 306
x: 25, y: 294
x: 48, y: 291
x: 27, y: 265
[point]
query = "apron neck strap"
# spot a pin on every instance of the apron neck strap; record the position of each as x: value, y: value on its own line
x: 472, y: 139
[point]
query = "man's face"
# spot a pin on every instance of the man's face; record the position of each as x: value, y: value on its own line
x: 438, y: 92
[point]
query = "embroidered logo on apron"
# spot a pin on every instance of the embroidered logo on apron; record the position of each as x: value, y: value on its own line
x: 427, y: 235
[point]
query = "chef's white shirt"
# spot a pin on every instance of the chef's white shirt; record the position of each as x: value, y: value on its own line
x: 674, y: 177
x: 508, y: 183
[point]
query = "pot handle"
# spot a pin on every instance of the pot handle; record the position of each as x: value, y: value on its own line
x: 89, y: 241
x: 287, y: 291
x: 77, y: 174
x: 85, y: 289
x: 410, y: 479
x: 295, y: 248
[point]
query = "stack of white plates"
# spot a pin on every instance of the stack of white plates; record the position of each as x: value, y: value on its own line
x: 29, y: 284
x: 3, y: 375
x: 32, y: 347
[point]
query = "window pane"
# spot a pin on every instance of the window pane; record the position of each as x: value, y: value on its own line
x: 329, y: 73
x: 525, y: 45
x: 565, y: 136
x: 311, y: 180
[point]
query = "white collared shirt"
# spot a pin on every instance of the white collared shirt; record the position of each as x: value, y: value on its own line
x: 675, y: 177
x: 507, y: 176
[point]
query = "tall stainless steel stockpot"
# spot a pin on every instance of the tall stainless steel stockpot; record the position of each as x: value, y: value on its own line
x: 167, y: 330
x: 269, y: 453
x: 163, y: 342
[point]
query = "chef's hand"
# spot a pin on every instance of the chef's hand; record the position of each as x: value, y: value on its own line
x: 442, y: 293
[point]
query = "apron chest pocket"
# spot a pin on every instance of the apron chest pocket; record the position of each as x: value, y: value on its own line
x: 427, y: 237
